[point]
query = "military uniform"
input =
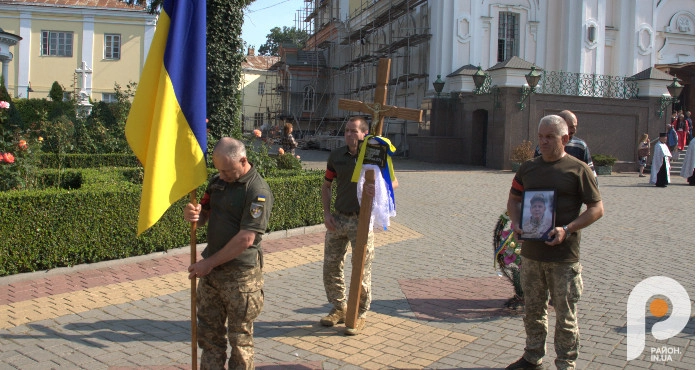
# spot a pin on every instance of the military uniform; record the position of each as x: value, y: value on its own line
x: 233, y: 290
x: 340, y: 167
x: 556, y: 270
x: 533, y: 228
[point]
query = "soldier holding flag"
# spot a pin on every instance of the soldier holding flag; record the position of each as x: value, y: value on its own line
x: 237, y: 206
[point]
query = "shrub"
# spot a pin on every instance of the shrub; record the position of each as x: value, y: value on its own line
x: 50, y: 228
x: 288, y: 161
x: 603, y: 160
x: 56, y: 92
x: 49, y: 160
x: 522, y: 152
x: 258, y: 154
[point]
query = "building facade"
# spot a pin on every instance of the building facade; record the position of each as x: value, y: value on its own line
x: 84, y: 45
x: 589, y: 49
x: 260, y: 103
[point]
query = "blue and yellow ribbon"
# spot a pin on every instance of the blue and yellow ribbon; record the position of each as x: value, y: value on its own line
x: 387, y: 171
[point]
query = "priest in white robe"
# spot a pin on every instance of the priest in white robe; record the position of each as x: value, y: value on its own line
x: 660, y: 165
x: 688, y: 169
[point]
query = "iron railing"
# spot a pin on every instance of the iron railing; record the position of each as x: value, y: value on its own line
x: 584, y: 84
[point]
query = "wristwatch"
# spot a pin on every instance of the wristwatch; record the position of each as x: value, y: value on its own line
x: 566, y: 230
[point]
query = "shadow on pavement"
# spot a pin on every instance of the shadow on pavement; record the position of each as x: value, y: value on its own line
x: 112, y: 331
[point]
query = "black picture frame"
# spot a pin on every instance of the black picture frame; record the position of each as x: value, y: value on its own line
x: 533, y: 230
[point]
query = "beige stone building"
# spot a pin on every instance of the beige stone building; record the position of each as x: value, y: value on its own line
x: 260, y: 87
x: 85, y: 45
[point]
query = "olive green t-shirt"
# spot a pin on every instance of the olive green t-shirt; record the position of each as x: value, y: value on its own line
x: 575, y: 186
x: 245, y: 204
x: 340, y: 167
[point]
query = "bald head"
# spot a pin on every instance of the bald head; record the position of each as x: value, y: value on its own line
x: 571, y: 121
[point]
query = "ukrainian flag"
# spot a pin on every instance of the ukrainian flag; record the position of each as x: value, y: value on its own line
x: 166, y: 127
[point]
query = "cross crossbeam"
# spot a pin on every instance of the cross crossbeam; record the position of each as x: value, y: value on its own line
x: 378, y: 108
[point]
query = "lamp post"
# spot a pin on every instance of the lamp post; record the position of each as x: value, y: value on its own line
x: 532, y: 78
x: 439, y: 84
x: 675, y: 89
x: 480, y: 78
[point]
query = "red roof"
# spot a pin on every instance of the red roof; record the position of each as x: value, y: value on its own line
x: 259, y: 62
x: 108, y: 4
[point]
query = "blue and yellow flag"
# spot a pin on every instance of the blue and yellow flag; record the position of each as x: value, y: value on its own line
x: 166, y: 127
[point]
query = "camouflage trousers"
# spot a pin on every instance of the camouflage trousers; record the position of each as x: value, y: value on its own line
x: 335, y: 250
x: 233, y: 294
x: 563, y: 282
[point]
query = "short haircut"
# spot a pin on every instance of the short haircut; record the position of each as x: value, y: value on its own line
x: 556, y: 121
x: 364, y: 126
x: 230, y: 147
x: 538, y: 198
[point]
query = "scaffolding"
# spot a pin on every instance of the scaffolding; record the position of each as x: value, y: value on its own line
x: 339, y: 61
x: 261, y: 112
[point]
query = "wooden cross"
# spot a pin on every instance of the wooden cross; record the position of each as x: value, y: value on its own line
x: 378, y: 109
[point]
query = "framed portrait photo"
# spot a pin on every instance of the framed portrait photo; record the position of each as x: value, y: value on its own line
x: 538, y: 214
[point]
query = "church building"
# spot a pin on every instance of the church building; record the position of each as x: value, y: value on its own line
x: 608, y: 61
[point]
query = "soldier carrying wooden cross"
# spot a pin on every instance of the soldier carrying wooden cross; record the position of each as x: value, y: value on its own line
x: 350, y: 221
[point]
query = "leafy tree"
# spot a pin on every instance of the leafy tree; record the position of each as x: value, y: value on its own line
x: 56, y: 92
x: 285, y: 35
x: 224, y: 58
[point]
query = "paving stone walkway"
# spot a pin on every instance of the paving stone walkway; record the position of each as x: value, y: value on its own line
x: 437, y: 300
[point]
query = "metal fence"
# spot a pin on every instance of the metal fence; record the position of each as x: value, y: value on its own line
x: 583, y: 84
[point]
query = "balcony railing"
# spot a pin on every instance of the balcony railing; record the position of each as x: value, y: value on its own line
x: 583, y: 84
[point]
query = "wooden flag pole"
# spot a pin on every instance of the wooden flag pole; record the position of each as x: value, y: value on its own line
x: 193, y: 282
x: 359, y: 254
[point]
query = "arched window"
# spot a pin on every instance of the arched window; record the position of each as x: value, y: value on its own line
x: 308, y: 99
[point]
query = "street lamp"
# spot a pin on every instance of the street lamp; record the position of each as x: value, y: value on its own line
x: 480, y: 78
x: 674, y: 89
x: 532, y: 78
x: 439, y: 84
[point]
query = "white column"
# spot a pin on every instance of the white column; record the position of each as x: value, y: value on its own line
x: 88, y: 52
x: 24, y: 52
x: 573, y: 11
x: 149, y: 32
x: 436, y: 8
x: 600, y: 48
x: 5, y: 71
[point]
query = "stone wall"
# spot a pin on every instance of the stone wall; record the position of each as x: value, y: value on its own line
x: 488, y: 126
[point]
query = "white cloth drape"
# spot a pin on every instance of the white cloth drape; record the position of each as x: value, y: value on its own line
x: 689, y: 161
x: 382, y: 207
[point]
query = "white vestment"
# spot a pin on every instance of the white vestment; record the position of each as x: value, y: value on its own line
x: 661, y: 155
x: 689, y: 161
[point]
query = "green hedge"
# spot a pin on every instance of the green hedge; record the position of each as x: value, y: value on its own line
x: 52, y: 160
x: 52, y: 228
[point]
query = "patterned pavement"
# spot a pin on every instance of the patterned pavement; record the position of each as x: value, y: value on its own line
x: 437, y: 300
